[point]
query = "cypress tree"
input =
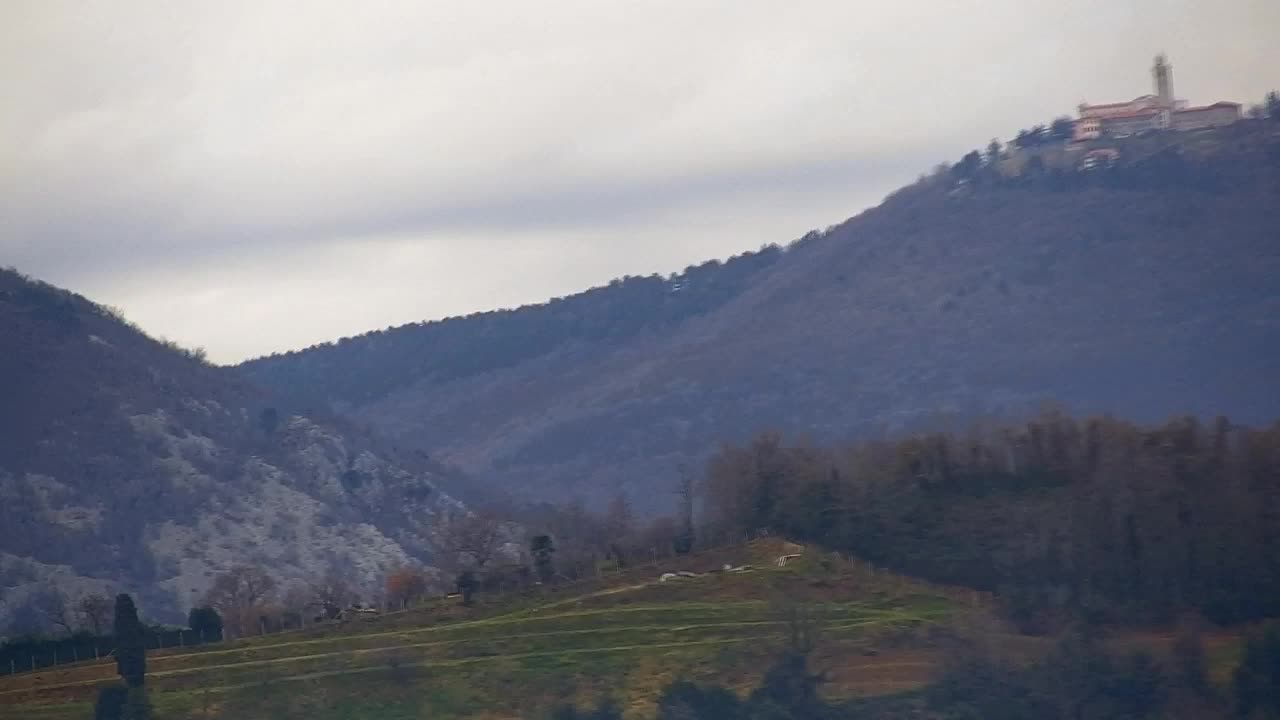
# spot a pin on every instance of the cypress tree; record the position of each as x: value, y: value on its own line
x: 111, y: 702
x: 131, y: 652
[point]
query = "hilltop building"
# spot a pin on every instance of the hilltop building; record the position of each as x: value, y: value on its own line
x: 1158, y: 111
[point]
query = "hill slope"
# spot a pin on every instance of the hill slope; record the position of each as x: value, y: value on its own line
x: 880, y: 639
x: 1147, y: 290
x: 126, y: 463
x: 518, y: 656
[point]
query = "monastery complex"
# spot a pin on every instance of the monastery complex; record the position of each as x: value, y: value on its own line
x: 1159, y: 111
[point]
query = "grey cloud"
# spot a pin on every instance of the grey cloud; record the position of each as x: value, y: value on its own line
x: 239, y: 144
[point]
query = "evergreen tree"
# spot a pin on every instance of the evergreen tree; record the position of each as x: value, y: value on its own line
x: 206, y: 622
x: 788, y: 692
x: 1190, y: 669
x: 542, y: 548
x: 683, y: 700
x: 137, y: 706
x: 968, y: 166
x: 1257, y: 680
x: 467, y: 584
x: 994, y: 151
x: 111, y: 702
x: 1062, y: 128
x: 131, y: 652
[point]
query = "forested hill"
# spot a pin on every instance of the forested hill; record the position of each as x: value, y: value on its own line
x: 1146, y: 290
x: 354, y: 372
x: 129, y: 464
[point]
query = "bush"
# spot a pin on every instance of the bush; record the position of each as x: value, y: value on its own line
x: 206, y: 622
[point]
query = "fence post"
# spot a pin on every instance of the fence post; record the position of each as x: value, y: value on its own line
x: 75, y: 654
x: 12, y: 670
x: 95, y: 651
x: 201, y: 636
x: 55, y: 654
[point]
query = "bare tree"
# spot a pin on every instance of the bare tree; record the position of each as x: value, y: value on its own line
x: 51, y: 605
x: 95, y: 612
x: 619, y: 523
x: 619, y: 519
x: 685, y: 489
x: 332, y: 592
x: 404, y: 586
x: 296, y: 602
x: 241, y: 586
x: 469, y: 542
x: 239, y: 591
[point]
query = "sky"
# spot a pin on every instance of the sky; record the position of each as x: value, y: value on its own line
x: 251, y: 177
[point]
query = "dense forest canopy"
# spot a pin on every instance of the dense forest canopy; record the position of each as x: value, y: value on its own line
x: 354, y: 371
x: 1060, y: 516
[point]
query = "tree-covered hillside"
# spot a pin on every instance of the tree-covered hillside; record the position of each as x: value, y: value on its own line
x: 1063, y: 518
x: 1147, y: 289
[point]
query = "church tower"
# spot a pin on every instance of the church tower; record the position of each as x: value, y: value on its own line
x: 1162, y: 74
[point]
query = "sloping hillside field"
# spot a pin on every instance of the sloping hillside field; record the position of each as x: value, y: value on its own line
x: 519, y: 657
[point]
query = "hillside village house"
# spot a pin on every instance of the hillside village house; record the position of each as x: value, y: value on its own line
x: 1161, y: 111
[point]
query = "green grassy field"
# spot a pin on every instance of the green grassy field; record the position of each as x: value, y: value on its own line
x: 519, y: 657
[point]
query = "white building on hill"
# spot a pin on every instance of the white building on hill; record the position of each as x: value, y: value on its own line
x: 1160, y: 111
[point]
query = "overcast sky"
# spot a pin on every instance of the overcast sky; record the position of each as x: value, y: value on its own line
x: 260, y: 176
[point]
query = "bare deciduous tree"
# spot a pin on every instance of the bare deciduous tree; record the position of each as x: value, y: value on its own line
x: 237, y: 592
x: 296, y: 602
x: 332, y: 592
x: 619, y: 519
x: 404, y: 586
x: 95, y: 612
x: 52, y: 607
x: 241, y: 586
x: 469, y: 542
x: 685, y: 489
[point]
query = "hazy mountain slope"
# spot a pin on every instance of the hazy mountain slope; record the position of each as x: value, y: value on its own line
x: 1146, y: 291
x: 357, y: 371
x: 126, y: 463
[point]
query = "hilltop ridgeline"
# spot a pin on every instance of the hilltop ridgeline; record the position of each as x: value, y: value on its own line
x: 1146, y: 289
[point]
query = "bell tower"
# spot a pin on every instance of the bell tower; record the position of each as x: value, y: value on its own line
x: 1162, y: 75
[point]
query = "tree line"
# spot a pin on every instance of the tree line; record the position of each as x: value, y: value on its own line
x: 478, y: 553
x: 1061, y: 517
x: 84, y: 630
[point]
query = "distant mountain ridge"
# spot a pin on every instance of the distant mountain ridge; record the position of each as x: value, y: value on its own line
x: 1145, y: 290
x: 128, y: 464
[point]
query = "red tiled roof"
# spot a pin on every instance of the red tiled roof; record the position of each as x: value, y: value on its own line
x: 1219, y: 104
x: 1132, y: 115
x: 1138, y: 99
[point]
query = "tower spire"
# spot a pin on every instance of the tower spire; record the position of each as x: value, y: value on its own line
x: 1162, y: 76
